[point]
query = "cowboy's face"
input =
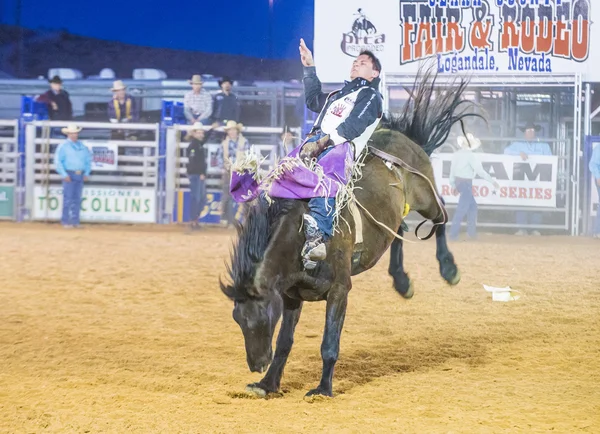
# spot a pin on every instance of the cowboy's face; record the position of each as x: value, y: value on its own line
x: 120, y: 93
x: 226, y: 87
x: 363, y: 67
x: 233, y: 133
x: 196, y: 87
x: 198, y: 134
x: 73, y: 136
x: 530, y: 133
x: 56, y: 87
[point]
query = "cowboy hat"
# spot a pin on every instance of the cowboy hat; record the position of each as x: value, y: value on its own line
x: 529, y: 125
x: 196, y: 79
x: 118, y: 85
x: 71, y: 129
x: 56, y: 79
x: 225, y: 80
x: 197, y: 126
x: 233, y: 124
x: 470, y: 142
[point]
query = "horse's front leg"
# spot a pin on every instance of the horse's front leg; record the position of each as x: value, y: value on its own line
x: 337, y: 300
x: 402, y: 283
x: 271, y: 381
x: 448, y: 268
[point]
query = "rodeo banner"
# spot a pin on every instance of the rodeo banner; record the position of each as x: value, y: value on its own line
x: 459, y: 36
x: 104, y: 155
x: 531, y: 182
x: 99, y: 204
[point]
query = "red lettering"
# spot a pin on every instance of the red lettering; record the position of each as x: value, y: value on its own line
x: 580, y: 47
x: 480, y: 34
x: 528, y: 36
x: 475, y: 191
x: 484, y: 191
x: 446, y: 190
x: 503, y: 191
x: 539, y: 193
x: 561, y: 41
x: 510, y: 36
x: 522, y: 193
x: 513, y: 192
x: 439, y: 41
x: 544, y: 37
x: 455, y: 40
x: 407, y: 54
x: 548, y: 193
x: 424, y: 38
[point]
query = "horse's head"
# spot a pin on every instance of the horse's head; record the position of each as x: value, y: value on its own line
x: 257, y: 317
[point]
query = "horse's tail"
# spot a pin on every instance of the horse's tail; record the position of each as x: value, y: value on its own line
x: 430, y: 113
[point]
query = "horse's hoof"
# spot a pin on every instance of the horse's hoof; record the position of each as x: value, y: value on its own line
x: 317, y: 394
x: 257, y: 390
x: 455, y: 279
x: 409, y: 292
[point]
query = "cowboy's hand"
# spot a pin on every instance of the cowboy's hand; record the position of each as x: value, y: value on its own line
x: 523, y: 156
x: 305, y: 55
x: 67, y: 179
x: 311, y: 150
x: 54, y: 105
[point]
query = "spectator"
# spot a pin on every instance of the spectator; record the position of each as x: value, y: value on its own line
x: 196, y: 171
x: 122, y: 109
x: 465, y: 166
x: 595, y: 169
x: 58, y: 102
x: 73, y: 162
x: 226, y: 106
x: 232, y: 148
x: 531, y: 146
x: 197, y: 104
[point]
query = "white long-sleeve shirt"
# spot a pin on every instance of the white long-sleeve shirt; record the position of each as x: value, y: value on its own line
x: 466, y: 165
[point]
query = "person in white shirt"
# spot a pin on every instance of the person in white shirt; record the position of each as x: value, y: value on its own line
x: 465, y: 166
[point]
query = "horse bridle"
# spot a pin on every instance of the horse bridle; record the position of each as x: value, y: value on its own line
x: 400, y: 163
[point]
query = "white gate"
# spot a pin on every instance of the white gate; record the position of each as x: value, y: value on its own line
x: 9, y: 169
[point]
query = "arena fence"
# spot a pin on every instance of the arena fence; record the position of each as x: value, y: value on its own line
x: 139, y: 176
x: 9, y: 168
x: 123, y: 186
x: 589, y: 193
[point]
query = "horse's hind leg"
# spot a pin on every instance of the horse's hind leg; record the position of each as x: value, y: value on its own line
x: 271, y: 381
x: 402, y: 283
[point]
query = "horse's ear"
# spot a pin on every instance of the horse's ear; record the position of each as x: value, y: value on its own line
x: 227, y: 289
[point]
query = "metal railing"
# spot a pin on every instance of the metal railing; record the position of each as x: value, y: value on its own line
x: 9, y: 168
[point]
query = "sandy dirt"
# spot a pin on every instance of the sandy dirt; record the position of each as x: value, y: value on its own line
x: 117, y: 329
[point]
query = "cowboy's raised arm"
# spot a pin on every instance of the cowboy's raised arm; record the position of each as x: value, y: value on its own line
x: 314, y: 97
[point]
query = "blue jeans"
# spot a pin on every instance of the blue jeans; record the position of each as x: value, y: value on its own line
x: 467, y: 207
x: 597, y: 225
x: 525, y: 217
x: 322, y: 208
x: 197, y: 196
x: 72, y: 199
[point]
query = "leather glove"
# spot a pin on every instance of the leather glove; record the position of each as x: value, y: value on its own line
x: 312, y: 150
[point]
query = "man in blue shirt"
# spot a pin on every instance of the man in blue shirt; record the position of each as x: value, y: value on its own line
x: 595, y: 169
x: 73, y: 162
x: 530, y: 146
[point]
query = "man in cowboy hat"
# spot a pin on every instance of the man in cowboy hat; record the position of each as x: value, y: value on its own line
x: 594, y: 166
x: 197, y: 104
x: 530, y: 146
x: 58, y: 101
x: 226, y: 106
x: 348, y: 115
x: 232, y: 149
x: 196, y: 172
x: 73, y: 162
x: 122, y: 108
x: 465, y: 166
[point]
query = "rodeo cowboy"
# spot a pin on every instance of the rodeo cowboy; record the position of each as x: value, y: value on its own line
x: 348, y: 115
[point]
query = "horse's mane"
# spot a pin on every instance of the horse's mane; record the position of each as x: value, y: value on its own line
x: 430, y: 112
x: 254, y: 236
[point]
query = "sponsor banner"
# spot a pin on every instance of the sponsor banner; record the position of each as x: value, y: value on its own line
x: 469, y: 36
x: 7, y: 197
x: 104, y: 155
x: 99, y: 204
x: 530, y: 183
x: 211, y: 212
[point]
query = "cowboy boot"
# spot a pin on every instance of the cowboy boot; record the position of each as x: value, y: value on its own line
x: 314, y: 248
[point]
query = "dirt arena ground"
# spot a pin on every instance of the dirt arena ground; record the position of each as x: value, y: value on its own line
x: 117, y: 329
